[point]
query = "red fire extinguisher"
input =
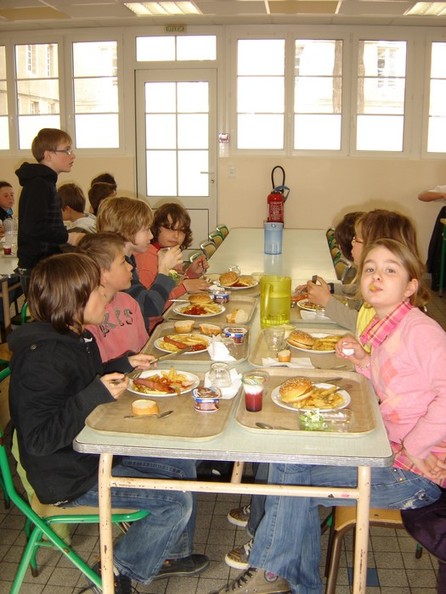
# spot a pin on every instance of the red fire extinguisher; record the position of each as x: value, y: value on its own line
x: 276, y: 200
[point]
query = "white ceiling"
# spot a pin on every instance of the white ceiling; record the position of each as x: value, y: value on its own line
x: 59, y: 14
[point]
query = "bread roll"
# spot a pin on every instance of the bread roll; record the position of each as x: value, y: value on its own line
x: 284, y: 356
x: 144, y: 406
x: 295, y: 388
x: 301, y: 339
x: 238, y: 316
x: 227, y: 279
x: 200, y: 298
x: 184, y: 326
x: 209, y: 329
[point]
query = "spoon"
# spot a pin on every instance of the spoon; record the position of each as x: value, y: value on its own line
x: 266, y: 426
x: 166, y: 413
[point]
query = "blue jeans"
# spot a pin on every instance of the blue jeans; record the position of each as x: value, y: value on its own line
x: 287, y: 540
x: 167, y: 532
x: 257, y: 501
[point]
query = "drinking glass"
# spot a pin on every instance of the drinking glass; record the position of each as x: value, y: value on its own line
x: 274, y: 338
x: 254, y: 383
x: 220, y: 375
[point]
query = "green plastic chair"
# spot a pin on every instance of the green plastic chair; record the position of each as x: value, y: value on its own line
x: 208, y: 248
x: 37, y: 527
x: 223, y: 230
x: 216, y: 237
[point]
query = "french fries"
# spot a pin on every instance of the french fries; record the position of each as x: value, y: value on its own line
x: 322, y: 398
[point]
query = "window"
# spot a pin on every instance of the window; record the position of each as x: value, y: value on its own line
x: 260, y: 94
x: 380, y: 95
x: 317, y: 94
x: 4, y: 127
x: 176, y: 48
x: 38, y: 103
x: 436, y: 141
x: 96, y: 104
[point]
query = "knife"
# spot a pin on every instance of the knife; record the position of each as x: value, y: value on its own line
x: 173, y: 354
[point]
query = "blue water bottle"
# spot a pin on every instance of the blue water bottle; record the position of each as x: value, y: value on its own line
x: 273, y: 233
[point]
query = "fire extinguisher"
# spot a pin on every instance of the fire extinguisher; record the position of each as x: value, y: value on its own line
x: 277, y: 198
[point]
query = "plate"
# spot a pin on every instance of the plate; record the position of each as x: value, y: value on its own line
x: 275, y: 396
x: 189, y: 377
x: 308, y: 306
x: 313, y: 351
x: 180, y: 338
x: 232, y: 288
x: 179, y: 309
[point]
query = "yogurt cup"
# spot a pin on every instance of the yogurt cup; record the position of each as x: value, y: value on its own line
x: 238, y: 334
x: 206, y: 399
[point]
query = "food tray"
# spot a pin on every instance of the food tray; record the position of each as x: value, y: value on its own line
x: 240, y: 351
x: 184, y: 422
x: 236, y: 301
x: 318, y: 360
x: 363, y: 413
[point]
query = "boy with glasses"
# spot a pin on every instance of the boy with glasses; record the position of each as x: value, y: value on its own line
x: 41, y: 228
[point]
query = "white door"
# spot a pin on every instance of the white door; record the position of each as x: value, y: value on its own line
x: 176, y: 143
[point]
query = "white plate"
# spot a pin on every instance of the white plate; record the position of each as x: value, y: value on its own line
x: 145, y: 374
x: 241, y: 288
x: 313, y: 351
x: 304, y: 304
x: 275, y: 396
x: 180, y: 308
x: 178, y: 337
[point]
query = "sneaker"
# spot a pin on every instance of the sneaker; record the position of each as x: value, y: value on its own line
x: 239, y: 516
x: 123, y: 584
x: 238, y: 557
x: 185, y: 567
x: 256, y: 581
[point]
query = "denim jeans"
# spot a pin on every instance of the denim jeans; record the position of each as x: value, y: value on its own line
x: 287, y: 540
x: 257, y: 501
x: 167, y: 532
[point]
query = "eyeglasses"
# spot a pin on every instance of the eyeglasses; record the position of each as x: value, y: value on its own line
x: 356, y: 240
x: 172, y: 228
x: 67, y: 151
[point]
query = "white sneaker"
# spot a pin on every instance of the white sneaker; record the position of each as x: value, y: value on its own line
x: 239, y: 516
x: 256, y: 581
x: 238, y: 557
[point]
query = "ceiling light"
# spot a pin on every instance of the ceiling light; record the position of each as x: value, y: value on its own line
x: 162, y: 8
x: 428, y: 9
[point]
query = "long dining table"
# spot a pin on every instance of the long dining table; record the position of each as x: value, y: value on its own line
x: 234, y: 441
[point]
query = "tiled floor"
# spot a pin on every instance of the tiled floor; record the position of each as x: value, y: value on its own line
x: 391, y: 552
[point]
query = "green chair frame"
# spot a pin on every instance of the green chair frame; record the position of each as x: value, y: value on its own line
x: 36, y: 527
x: 216, y: 237
x: 223, y: 230
x: 208, y: 248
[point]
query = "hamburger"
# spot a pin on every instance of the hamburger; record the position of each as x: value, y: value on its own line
x: 200, y: 299
x: 295, y: 389
x: 227, y: 279
x: 301, y: 339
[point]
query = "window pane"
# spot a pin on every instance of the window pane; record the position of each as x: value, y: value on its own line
x: 4, y: 133
x: 37, y: 61
x: 438, y: 60
x: 261, y: 56
x: 161, y: 173
x: 193, y: 97
x: 29, y: 126
x: 380, y: 133
x: 155, y: 49
x: 436, y: 138
x: 437, y: 135
x: 317, y: 132
x: 3, y: 98
x: 193, y: 131
x: 160, y: 97
x: 318, y: 57
x: 2, y: 62
x: 96, y: 95
x: 197, y: 47
x: 97, y: 131
x: 437, y: 98
x: 38, y: 97
x: 382, y: 58
x: 191, y: 182
x: 254, y: 94
x: 161, y: 131
x: 4, y: 123
x: 382, y: 96
x: 260, y: 131
x: 97, y: 58
x: 317, y: 95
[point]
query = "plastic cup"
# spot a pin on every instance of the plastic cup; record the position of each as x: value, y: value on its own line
x: 254, y: 383
x: 274, y: 338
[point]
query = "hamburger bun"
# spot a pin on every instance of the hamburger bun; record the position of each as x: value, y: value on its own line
x: 200, y: 299
x: 301, y: 339
x: 183, y: 326
x: 295, y: 388
x: 144, y: 407
x: 246, y: 280
x: 227, y: 279
x: 209, y: 329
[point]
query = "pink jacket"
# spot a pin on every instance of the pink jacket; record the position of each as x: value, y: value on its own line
x: 408, y: 373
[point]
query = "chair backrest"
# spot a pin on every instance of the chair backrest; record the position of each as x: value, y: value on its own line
x: 195, y: 255
x: 208, y: 248
x: 223, y: 230
x: 216, y: 238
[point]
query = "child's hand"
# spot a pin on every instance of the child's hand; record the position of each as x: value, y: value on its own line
x: 116, y: 383
x: 195, y: 285
x: 198, y: 266
x: 349, y: 348
x: 141, y: 360
x: 168, y: 259
x: 318, y: 293
x: 432, y: 467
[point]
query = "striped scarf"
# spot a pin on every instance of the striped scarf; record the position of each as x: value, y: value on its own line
x: 378, y: 330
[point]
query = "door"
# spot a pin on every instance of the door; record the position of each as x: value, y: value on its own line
x: 176, y: 143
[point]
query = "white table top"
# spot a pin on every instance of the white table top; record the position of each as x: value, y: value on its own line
x: 304, y: 253
x: 7, y: 265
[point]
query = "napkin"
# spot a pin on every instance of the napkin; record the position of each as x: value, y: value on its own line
x: 227, y: 393
x: 302, y: 362
x: 218, y: 351
x: 312, y: 315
